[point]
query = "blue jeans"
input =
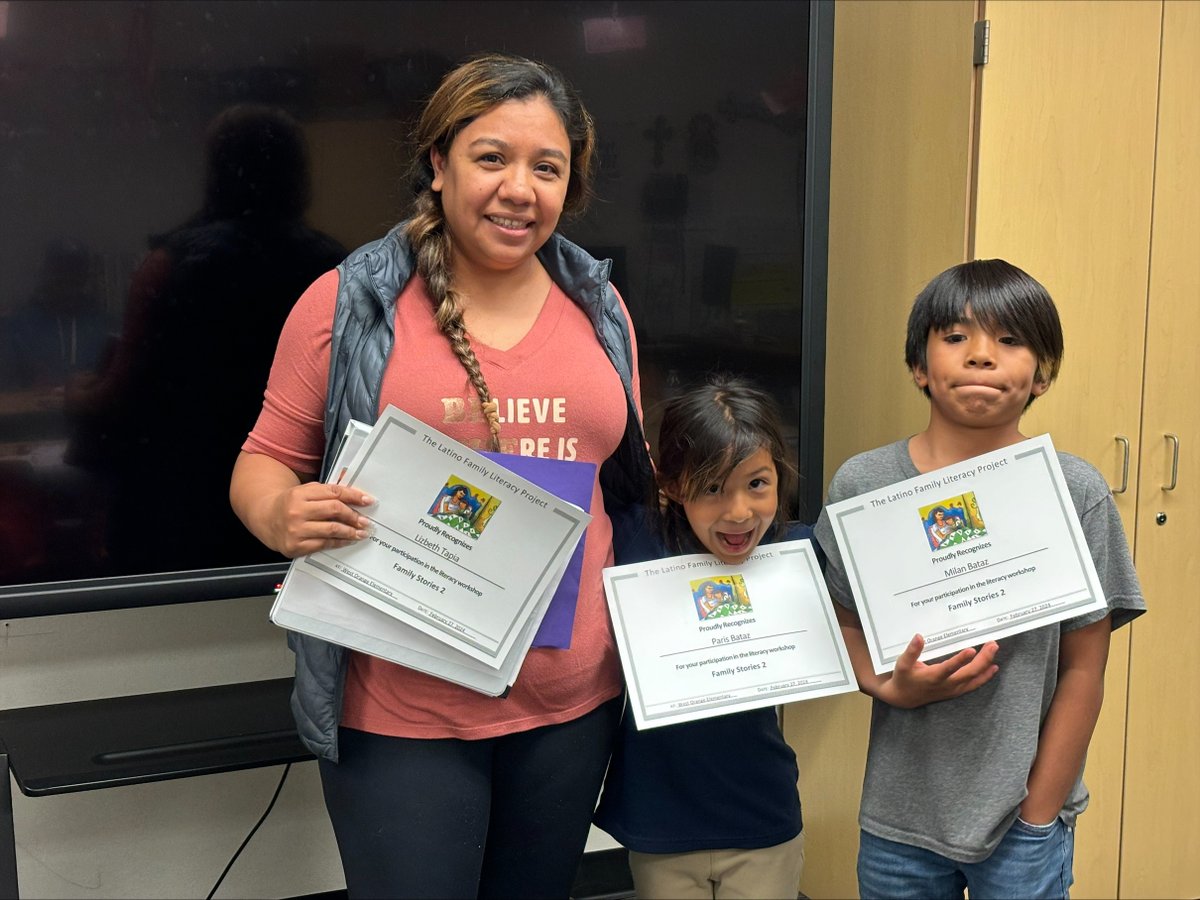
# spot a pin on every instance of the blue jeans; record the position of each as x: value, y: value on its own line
x: 1032, y: 862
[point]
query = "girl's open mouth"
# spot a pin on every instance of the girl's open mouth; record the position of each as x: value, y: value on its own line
x: 737, y: 543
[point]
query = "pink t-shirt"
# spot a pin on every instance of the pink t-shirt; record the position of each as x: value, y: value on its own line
x: 559, y: 397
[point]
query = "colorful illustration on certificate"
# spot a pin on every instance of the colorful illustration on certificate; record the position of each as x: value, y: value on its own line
x: 463, y: 507
x: 719, y: 596
x: 952, y: 521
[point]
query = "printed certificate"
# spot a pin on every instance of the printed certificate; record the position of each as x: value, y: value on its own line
x: 980, y: 550
x: 313, y: 607
x: 699, y: 638
x: 461, y: 548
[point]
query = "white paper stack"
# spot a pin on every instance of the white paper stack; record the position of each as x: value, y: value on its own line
x: 463, y: 559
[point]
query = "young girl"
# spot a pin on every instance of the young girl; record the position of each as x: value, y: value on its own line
x: 710, y: 808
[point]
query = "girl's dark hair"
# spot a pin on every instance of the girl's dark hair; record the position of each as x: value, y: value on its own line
x: 1002, y: 298
x: 708, y: 431
x: 467, y: 92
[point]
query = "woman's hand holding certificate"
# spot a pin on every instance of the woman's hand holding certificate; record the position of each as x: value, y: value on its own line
x: 460, y: 547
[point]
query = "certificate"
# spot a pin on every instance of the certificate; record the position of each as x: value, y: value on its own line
x: 699, y: 638
x: 977, y: 551
x: 460, y: 547
x: 570, y: 480
x: 310, y: 606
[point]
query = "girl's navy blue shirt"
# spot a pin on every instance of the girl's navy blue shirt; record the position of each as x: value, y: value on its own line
x: 723, y: 783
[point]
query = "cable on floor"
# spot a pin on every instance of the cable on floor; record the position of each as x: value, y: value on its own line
x: 279, y: 787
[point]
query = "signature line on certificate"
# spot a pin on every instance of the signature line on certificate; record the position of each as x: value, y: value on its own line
x: 969, y: 572
x: 743, y: 643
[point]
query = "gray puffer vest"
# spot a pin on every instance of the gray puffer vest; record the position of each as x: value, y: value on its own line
x: 369, y: 282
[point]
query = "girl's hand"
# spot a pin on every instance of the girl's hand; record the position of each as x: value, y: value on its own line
x: 314, y: 516
x: 914, y: 683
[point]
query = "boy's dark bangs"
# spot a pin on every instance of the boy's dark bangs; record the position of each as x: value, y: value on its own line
x: 993, y: 311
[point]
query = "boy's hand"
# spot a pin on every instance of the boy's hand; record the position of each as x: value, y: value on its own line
x: 914, y: 683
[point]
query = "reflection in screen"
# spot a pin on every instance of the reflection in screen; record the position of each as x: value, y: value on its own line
x: 174, y: 175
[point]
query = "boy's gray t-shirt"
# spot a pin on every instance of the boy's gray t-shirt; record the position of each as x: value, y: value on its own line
x: 950, y: 776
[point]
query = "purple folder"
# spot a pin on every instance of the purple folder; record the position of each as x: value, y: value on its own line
x: 573, y: 482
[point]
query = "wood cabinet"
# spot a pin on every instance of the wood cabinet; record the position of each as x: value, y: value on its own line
x: 898, y: 192
x: 1089, y: 177
x: 1064, y: 189
x: 1161, y: 814
x: 1085, y: 142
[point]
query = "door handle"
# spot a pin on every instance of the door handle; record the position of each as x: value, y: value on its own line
x: 1174, y: 439
x: 1124, y: 442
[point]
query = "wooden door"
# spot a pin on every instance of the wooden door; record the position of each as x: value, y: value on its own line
x: 900, y: 161
x: 1162, y: 773
x: 1064, y: 186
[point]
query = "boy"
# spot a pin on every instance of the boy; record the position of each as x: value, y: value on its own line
x: 981, y: 791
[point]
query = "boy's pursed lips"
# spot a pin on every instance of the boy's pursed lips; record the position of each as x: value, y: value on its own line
x: 982, y: 384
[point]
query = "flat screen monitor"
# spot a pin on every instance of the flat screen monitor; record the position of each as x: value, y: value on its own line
x: 173, y: 175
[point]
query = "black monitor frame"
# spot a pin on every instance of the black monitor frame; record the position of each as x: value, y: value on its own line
x: 50, y: 598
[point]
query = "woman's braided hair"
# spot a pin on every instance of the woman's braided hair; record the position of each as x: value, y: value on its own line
x: 467, y: 92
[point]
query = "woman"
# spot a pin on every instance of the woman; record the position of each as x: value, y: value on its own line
x: 435, y: 790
